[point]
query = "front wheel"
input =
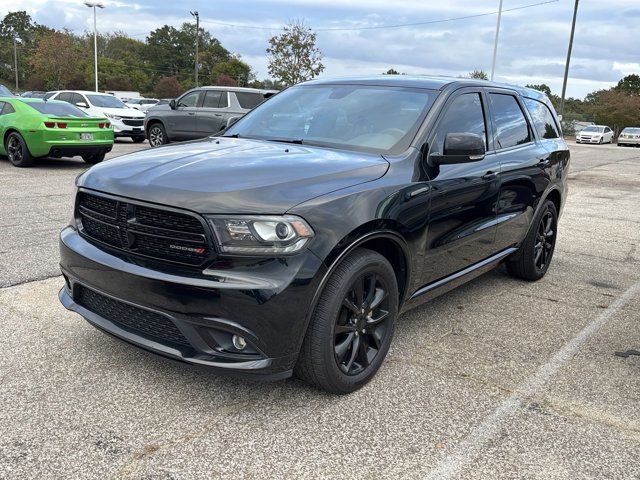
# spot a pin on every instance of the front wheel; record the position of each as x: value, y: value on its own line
x: 157, y: 135
x: 352, y: 325
x: 17, y: 151
x: 93, y: 158
x: 532, y: 260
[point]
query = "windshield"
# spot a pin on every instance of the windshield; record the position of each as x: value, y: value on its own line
x: 377, y: 119
x: 107, y: 101
x: 631, y: 130
x: 56, y: 109
x: 593, y: 129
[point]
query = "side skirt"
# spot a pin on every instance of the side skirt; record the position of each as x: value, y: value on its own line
x: 439, y: 287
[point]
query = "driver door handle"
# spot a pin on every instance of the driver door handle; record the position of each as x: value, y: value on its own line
x: 191, y: 113
x: 490, y: 175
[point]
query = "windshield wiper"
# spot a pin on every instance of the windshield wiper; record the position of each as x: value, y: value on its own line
x: 235, y: 135
x: 296, y: 141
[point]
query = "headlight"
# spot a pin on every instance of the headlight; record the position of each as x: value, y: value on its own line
x: 256, y: 235
x: 110, y: 115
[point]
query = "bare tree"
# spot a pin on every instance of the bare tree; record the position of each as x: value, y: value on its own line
x: 293, y: 55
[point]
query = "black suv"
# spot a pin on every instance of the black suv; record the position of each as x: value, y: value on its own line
x: 291, y: 243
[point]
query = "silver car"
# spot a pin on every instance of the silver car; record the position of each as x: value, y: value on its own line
x: 630, y: 136
x: 200, y: 112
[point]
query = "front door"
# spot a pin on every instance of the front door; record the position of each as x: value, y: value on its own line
x: 464, y: 196
x: 182, y: 121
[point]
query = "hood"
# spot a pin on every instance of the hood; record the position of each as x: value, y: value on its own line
x: 122, y: 112
x: 228, y: 175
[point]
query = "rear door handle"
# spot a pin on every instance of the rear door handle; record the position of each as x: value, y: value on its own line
x: 490, y: 176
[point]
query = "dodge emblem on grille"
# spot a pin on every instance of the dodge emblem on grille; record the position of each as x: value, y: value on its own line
x: 198, y: 250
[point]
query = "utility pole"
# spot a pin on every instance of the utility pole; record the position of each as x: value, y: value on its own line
x: 495, y: 44
x: 95, y: 37
x: 15, y: 60
x: 566, y: 66
x: 197, y: 17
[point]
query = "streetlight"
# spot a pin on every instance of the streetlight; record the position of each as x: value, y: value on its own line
x: 95, y: 36
x: 197, y: 17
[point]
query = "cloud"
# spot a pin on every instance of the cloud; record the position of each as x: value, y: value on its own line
x: 532, y: 48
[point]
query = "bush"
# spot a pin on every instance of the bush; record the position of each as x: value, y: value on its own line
x: 167, y: 87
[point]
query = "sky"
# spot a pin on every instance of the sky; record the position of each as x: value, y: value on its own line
x: 532, y: 45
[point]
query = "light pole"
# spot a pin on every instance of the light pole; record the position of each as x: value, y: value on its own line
x: 495, y: 45
x: 197, y: 17
x: 95, y: 37
x: 566, y: 66
x: 15, y: 60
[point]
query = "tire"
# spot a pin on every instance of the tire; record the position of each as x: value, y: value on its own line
x: 344, y: 348
x: 157, y: 135
x: 138, y: 139
x: 532, y: 260
x: 94, y: 158
x: 600, y: 141
x: 17, y: 151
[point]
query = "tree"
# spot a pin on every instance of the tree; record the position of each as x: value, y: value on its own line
x: 479, y: 74
x: 293, y: 55
x: 542, y: 87
x: 391, y: 71
x: 55, y: 53
x: 629, y: 84
x: 234, y: 68
x: 226, y: 81
x: 614, y: 108
x: 167, y: 87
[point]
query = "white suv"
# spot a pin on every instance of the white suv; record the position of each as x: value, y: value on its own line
x: 126, y: 121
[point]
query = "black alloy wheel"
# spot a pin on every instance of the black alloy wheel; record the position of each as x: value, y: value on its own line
x: 533, y: 258
x: 17, y: 151
x: 543, y: 249
x: 361, y: 324
x: 352, y: 325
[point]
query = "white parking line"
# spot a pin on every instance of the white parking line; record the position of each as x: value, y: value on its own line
x: 469, y: 448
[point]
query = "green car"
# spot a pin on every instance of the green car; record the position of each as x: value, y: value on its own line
x: 33, y: 127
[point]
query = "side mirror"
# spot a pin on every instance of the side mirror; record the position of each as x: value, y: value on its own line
x: 82, y: 104
x: 173, y: 104
x: 460, y: 148
x: 232, y: 120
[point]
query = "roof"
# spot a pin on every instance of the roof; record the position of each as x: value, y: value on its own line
x: 235, y: 89
x: 433, y: 82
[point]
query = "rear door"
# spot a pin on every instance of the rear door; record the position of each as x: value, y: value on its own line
x: 211, y: 116
x: 524, y: 166
x: 464, y: 196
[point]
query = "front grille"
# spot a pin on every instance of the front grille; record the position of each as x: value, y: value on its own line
x: 128, y: 317
x: 141, y: 230
x: 133, y: 122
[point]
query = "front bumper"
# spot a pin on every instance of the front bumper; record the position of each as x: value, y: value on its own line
x: 266, y: 302
x: 121, y: 129
x: 588, y: 139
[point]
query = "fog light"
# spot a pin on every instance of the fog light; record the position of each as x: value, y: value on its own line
x: 239, y: 342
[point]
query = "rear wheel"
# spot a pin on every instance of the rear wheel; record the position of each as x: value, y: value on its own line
x: 157, y: 135
x: 138, y: 139
x: 532, y: 261
x: 93, y: 158
x: 352, y: 325
x: 17, y: 150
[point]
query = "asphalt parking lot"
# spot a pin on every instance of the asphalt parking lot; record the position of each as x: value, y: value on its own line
x: 497, y: 379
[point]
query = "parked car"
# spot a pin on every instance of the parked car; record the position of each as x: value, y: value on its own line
x: 292, y: 242
x: 630, y: 136
x: 126, y: 122
x: 142, y: 104
x: 33, y: 94
x: 123, y: 95
x: 595, y: 134
x: 200, y: 112
x: 5, y: 92
x: 33, y: 128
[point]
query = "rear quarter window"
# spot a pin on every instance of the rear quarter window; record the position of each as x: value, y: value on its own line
x: 543, y: 120
x: 511, y: 125
x: 249, y: 100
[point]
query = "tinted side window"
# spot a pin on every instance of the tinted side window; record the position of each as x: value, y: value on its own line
x: 511, y: 125
x: 2, y: 104
x: 464, y: 114
x: 212, y: 99
x: 65, y: 97
x: 543, y: 119
x: 249, y: 100
x: 189, y: 100
x: 7, y: 109
x: 75, y: 98
x: 224, y: 100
